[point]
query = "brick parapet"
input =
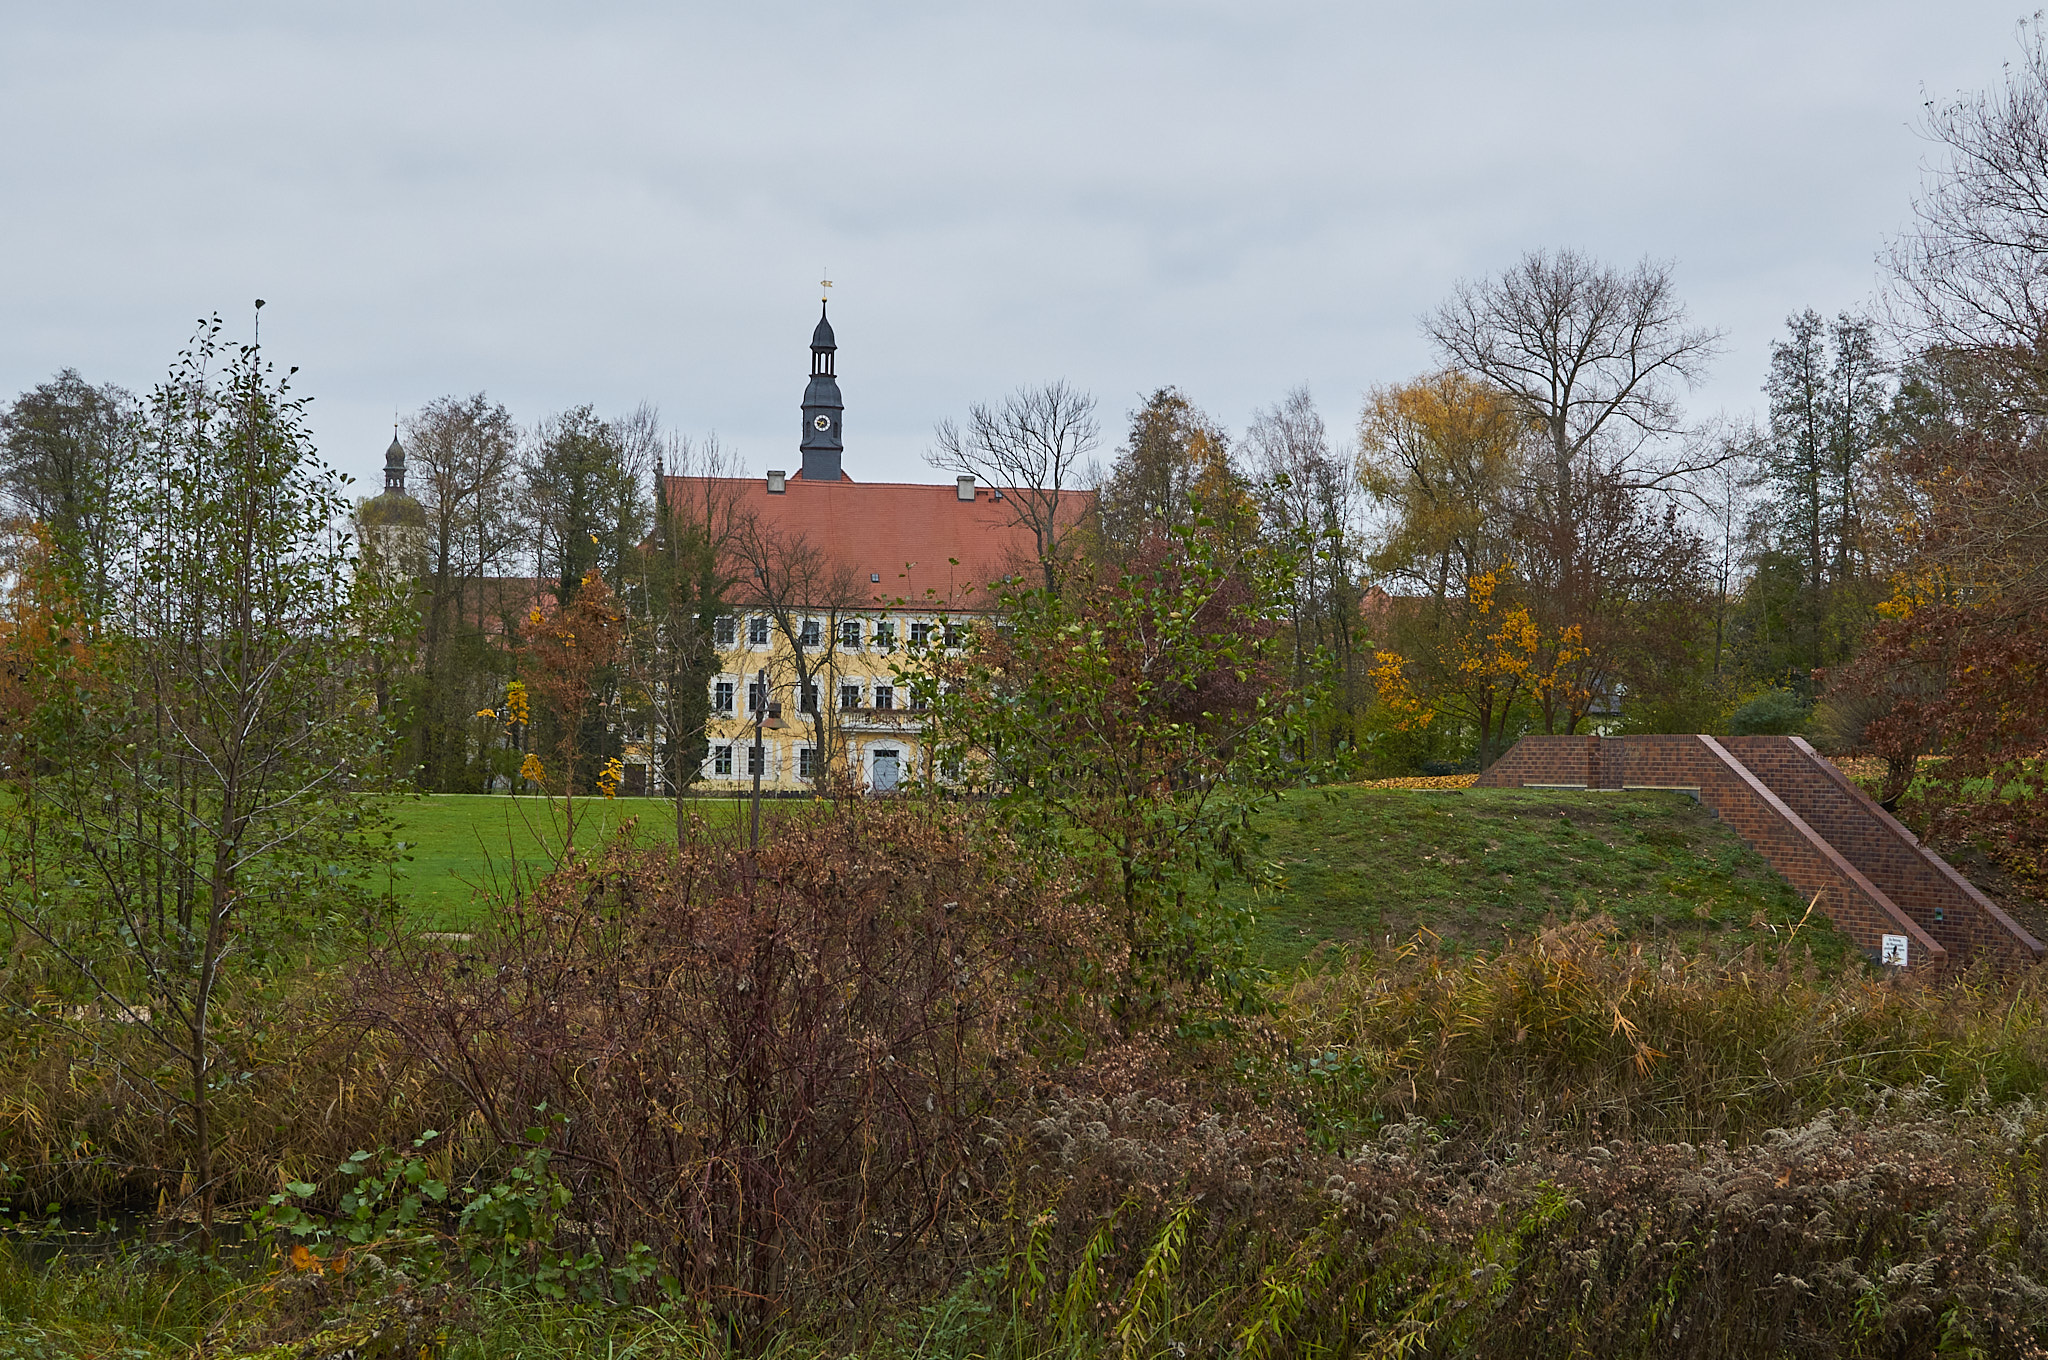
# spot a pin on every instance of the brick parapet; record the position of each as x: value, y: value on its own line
x: 1792, y: 806
x: 1559, y: 762
x: 1807, y: 860
x: 1926, y: 886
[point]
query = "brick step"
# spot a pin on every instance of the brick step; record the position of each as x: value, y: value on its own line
x: 1896, y: 898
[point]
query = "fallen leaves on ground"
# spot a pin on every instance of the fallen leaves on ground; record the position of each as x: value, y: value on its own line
x: 1424, y: 781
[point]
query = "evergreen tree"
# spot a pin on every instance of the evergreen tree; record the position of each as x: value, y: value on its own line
x: 1828, y: 391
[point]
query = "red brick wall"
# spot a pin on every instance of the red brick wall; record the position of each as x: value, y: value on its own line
x: 1944, y: 903
x: 1566, y: 761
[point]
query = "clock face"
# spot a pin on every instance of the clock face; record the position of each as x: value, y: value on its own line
x: 822, y: 423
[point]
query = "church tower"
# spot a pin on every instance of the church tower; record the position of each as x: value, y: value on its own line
x: 394, y: 525
x: 822, y: 408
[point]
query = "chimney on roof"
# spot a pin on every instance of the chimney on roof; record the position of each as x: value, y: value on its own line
x: 966, y: 487
x: 775, y: 481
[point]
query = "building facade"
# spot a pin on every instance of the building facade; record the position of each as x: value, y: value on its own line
x: 843, y: 586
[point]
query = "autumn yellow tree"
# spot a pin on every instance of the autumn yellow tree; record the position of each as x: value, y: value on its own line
x: 1457, y: 470
x: 1482, y: 668
x: 1441, y: 459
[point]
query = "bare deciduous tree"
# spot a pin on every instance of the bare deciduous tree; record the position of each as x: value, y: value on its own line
x: 1031, y: 448
x: 463, y: 450
x: 1308, y: 498
x: 1972, y: 273
x: 1971, y: 294
x: 806, y: 594
x: 1590, y: 353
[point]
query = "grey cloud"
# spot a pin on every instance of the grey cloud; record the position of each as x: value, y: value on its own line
x: 620, y: 202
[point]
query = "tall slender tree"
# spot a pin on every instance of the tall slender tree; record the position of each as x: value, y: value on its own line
x: 1308, y: 497
x: 1828, y: 393
x: 204, y: 781
x: 462, y: 453
x: 689, y: 571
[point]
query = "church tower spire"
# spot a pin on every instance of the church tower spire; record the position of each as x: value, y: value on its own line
x: 821, y: 445
x: 394, y: 466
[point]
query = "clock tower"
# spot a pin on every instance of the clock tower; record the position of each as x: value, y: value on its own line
x: 822, y: 408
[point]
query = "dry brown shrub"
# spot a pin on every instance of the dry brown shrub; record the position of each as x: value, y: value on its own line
x: 773, y: 1067
x: 1914, y: 1229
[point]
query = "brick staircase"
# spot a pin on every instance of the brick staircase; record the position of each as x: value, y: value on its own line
x: 1897, y: 899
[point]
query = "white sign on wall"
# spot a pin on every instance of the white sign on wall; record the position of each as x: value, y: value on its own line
x: 1892, y: 954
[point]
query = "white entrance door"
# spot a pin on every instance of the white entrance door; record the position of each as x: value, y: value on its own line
x: 887, y: 770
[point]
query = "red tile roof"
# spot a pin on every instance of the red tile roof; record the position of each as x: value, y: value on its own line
x: 915, y: 538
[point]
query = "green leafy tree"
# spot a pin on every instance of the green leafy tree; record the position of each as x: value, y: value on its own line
x: 586, y: 481
x: 200, y: 797
x: 61, y: 449
x: 1132, y: 724
x: 1173, y: 475
x: 587, y: 508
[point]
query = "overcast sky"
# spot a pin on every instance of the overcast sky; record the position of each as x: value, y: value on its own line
x: 611, y: 203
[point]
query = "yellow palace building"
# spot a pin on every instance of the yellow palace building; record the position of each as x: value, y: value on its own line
x: 840, y: 583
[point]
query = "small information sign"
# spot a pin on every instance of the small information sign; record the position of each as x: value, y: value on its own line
x: 1893, y: 952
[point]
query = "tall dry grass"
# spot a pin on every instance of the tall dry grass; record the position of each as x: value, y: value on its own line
x: 1574, y: 1036
x: 88, y: 1121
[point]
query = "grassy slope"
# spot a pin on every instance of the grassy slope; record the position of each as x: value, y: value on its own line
x: 1374, y: 866
x: 1362, y: 865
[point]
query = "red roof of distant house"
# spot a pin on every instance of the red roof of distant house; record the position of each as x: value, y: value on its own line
x: 923, y: 543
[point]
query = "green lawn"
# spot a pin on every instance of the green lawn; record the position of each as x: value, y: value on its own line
x: 1373, y: 866
x: 462, y: 850
x: 1362, y: 865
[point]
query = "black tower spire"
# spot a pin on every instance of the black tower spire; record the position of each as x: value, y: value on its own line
x: 394, y: 466
x: 822, y: 407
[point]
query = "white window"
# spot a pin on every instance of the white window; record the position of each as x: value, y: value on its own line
x: 920, y: 633
x: 721, y: 696
x: 756, y: 757
x: 810, y: 697
x: 885, y: 696
x: 849, y: 694
x: 724, y: 630
x: 849, y: 634
x: 757, y: 631
x: 956, y: 635
x: 806, y: 763
x: 811, y: 634
x: 757, y: 695
x: 721, y: 761
x: 885, y: 635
